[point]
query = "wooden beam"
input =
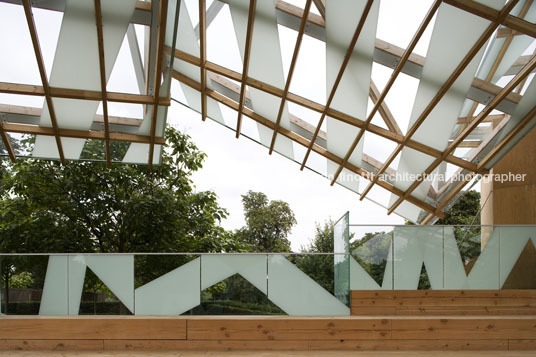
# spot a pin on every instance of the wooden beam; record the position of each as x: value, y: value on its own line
x: 506, y: 32
x: 203, y: 55
x: 43, y: 74
x: 484, y: 113
x: 7, y: 143
x: 162, y: 16
x: 102, y: 65
x: 297, y: 138
x: 36, y: 112
x: 404, y: 58
x: 511, y: 135
x: 488, y: 119
x: 482, y: 40
x: 245, y: 68
x: 81, y: 134
x: 309, y: 104
x: 345, y: 61
x: 385, y: 113
x: 321, y: 7
x: 486, y: 12
x: 34, y: 90
x: 290, y: 73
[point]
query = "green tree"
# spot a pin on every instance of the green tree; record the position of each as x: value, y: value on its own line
x: 86, y: 207
x: 268, y: 223
x: 319, y: 267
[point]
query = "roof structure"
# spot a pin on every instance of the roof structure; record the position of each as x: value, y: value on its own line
x: 330, y: 101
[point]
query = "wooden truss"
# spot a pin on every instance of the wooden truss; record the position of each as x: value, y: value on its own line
x: 227, y: 92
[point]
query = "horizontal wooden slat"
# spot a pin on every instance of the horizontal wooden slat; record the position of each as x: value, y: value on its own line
x: 356, y: 294
x: 90, y: 328
x: 460, y: 328
x: 446, y: 301
x: 287, y: 329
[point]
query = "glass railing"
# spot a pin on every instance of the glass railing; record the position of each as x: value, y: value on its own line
x: 171, y: 284
x: 409, y: 257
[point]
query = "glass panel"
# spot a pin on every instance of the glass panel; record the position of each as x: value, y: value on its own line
x: 296, y: 293
x: 371, y: 249
x: 341, y: 244
x: 166, y: 284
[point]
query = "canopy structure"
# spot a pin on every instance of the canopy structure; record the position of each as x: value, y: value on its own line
x: 407, y: 121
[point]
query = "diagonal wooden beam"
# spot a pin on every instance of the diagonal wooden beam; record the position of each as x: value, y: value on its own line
x: 499, y: 58
x: 444, y: 89
x: 309, y: 104
x: 385, y: 113
x: 100, y: 40
x: 245, y: 68
x: 290, y: 72
x: 7, y: 143
x: 321, y: 7
x: 203, y: 55
x: 427, y: 19
x: 298, y: 139
x: 158, y: 74
x: 43, y: 74
x: 484, y: 113
x: 345, y: 61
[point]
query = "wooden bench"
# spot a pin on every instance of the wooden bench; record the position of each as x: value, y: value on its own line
x: 443, y: 302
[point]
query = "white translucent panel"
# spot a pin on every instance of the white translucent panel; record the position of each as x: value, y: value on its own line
x: 287, y: 42
x: 222, y: 47
x: 360, y: 279
x: 265, y: 64
x: 229, y: 115
x: 215, y: 268
x: 296, y: 293
x: 414, y: 246
x: 186, y: 38
x: 522, y: 109
x: 18, y: 57
x: 516, y: 48
x: 47, y: 24
x: 76, y: 276
x: 54, y: 300
x: 407, y: 210
x: 140, y: 36
x: 170, y: 21
x: 117, y: 273
x: 192, y: 6
x: 46, y: 147
x: 171, y: 294
x: 77, y: 48
x: 138, y: 153
x: 484, y: 275
x: 455, y: 276
x: 352, y: 92
x: 448, y: 46
x: 513, y: 241
x: 379, y: 195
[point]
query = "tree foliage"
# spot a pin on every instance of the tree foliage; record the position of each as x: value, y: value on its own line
x: 268, y: 223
